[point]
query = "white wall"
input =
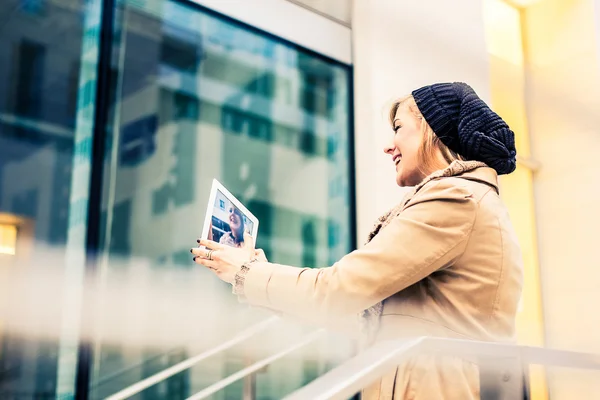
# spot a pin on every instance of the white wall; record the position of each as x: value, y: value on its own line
x: 398, y: 47
x: 340, y: 10
x: 298, y: 24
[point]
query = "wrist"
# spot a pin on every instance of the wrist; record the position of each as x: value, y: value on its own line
x: 240, y: 278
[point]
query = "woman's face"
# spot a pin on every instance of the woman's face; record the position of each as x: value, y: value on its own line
x: 235, y: 219
x: 404, y: 147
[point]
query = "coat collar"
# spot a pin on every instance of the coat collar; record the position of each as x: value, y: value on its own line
x: 471, y: 170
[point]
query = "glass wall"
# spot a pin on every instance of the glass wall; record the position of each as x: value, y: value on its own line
x: 201, y: 97
x: 192, y: 96
x: 198, y: 96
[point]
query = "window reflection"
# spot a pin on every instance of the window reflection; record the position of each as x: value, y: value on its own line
x: 200, y: 98
x: 196, y: 97
x: 40, y: 50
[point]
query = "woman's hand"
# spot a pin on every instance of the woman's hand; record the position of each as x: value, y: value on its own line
x: 259, y: 255
x: 225, y: 260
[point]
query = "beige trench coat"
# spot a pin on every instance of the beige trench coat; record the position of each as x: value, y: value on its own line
x: 447, y: 265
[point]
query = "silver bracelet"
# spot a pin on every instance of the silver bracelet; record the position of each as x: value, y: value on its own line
x: 240, y: 278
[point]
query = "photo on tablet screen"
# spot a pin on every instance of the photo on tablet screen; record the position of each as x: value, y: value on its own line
x: 228, y: 223
x: 227, y: 219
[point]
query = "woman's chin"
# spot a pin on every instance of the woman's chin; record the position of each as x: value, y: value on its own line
x: 404, y: 179
x: 400, y: 179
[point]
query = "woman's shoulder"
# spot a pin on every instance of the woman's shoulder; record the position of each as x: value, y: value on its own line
x: 452, y: 198
x: 447, y: 189
x: 456, y: 188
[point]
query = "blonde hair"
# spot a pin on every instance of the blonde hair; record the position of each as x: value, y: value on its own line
x: 428, y: 157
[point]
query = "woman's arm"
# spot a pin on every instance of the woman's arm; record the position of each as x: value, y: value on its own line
x: 430, y: 234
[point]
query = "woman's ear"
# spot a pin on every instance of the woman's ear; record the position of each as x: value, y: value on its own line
x: 416, y: 113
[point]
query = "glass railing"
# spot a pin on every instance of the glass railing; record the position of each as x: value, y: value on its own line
x: 192, y: 361
x: 273, y: 361
x: 347, y: 379
x: 369, y: 366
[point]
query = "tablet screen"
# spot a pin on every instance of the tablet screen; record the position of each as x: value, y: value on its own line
x: 228, y: 222
x: 227, y: 219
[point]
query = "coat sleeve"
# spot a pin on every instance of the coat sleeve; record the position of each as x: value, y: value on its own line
x: 429, y: 234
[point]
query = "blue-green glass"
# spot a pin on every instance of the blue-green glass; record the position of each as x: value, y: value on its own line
x: 48, y: 66
x: 202, y: 97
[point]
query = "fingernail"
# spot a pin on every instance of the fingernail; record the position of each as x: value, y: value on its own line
x: 198, y: 240
x: 191, y: 250
x: 194, y: 259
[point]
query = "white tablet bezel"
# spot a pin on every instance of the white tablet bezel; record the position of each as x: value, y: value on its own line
x: 218, y: 186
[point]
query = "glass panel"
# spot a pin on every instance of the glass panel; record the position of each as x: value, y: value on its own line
x: 202, y: 97
x: 40, y: 62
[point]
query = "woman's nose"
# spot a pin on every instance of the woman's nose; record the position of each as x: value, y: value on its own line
x: 389, y: 147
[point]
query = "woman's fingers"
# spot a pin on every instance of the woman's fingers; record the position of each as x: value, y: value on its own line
x: 205, y: 257
x: 205, y: 254
x: 224, y: 260
x: 209, y: 244
x: 197, y: 251
x: 260, y: 255
x: 207, y: 263
x: 248, y: 241
x: 213, y: 265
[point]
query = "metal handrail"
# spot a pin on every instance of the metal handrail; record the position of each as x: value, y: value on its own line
x: 190, y: 362
x: 107, y: 378
x: 360, y: 371
x: 257, y: 366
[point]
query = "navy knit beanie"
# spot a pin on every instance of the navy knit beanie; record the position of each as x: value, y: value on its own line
x: 465, y: 124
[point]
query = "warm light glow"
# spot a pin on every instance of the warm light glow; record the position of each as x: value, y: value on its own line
x: 507, y: 82
x: 505, y: 23
x: 522, y: 3
x: 8, y: 239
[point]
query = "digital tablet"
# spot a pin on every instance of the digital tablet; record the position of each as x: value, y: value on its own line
x: 227, y: 218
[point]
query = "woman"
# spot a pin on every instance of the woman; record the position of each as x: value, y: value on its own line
x: 444, y: 262
x: 235, y: 237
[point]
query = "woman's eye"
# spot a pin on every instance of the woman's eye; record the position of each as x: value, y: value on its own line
x: 397, y: 128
